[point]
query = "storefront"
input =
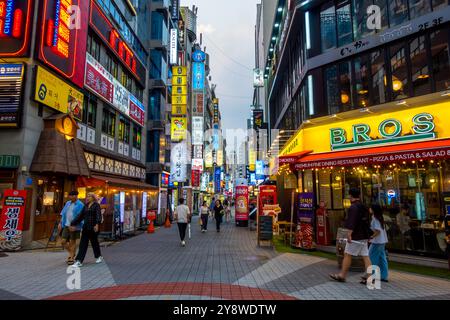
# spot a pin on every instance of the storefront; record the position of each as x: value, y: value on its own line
x: 400, y: 160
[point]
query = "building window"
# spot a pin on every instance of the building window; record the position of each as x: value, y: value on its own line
x: 156, y: 64
x: 378, y: 75
x: 419, y: 66
x: 362, y: 75
x: 332, y: 89
x: 137, y: 136
x: 384, y: 13
x: 437, y: 4
x: 440, y: 60
x: 154, y: 110
x: 90, y: 112
x: 360, y: 29
x: 345, y: 83
x: 93, y: 47
x: 399, y: 71
x: 109, y: 122
x: 124, y: 130
x: 418, y: 8
x: 344, y: 25
x: 398, y: 11
x: 328, y: 26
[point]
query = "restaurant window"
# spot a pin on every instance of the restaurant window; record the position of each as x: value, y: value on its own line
x: 440, y: 59
x: 345, y: 84
x: 398, y: 11
x: 89, y: 112
x: 328, y: 26
x: 124, y: 130
x: 399, y: 69
x: 332, y: 89
x: 109, y: 122
x: 324, y: 188
x: 137, y: 137
x: 360, y: 16
x: 378, y: 75
x: 344, y: 25
x: 362, y: 75
x: 419, y: 66
x: 418, y: 8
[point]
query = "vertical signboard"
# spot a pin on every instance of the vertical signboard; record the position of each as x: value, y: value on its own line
x: 178, y: 163
x: 11, y: 219
x: 198, y: 76
x: 258, y: 78
x: 173, y: 46
x: 241, y: 203
x: 174, y: 9
x: 217, y: 185
x: 197, y: 131
x: 195, y: 178
x: 257, y: 119
x: 305, y: 215
x: 11, y: 89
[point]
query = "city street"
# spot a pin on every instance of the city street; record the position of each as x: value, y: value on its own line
x: 225, y: 265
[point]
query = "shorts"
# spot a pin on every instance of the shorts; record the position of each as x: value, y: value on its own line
x: 357, y: 248
x: 70, y: 235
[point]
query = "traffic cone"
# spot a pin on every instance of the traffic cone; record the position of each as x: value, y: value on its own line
x: 151, y: 227
x: 167, y: 224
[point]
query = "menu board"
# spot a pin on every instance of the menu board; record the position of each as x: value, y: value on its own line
x: 265, y: 228
x: 324, y: 184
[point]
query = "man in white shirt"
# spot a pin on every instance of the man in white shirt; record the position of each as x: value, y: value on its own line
x: 182, y: 216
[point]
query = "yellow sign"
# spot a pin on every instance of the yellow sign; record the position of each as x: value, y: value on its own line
x: 179, y: 109
x: 179, y: 80
x: 428, y: 122
x: 179, y: 90
x: 178, y: 128
x: 57, y: 94
x: 179, y: 71
x: 179, y: 100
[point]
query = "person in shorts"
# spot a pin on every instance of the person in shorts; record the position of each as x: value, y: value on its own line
x: 358, y: 235
x: 72, y: 209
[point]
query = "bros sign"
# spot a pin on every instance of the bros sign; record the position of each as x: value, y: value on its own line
x: 389, y: 131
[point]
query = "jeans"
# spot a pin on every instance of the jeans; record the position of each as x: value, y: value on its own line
x: 377, y: 254
x: 86, y: 236
x: 218, y: 221
x: 182, y: 229
x: 204, y: 218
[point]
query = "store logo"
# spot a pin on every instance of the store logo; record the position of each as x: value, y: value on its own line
x: 374, y: 17
x: 373, y: 281
x: 42, y: 92
x: 389, y: 131
x: 74, y: 280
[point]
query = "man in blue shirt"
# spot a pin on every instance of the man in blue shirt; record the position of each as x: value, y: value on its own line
x: 72, y: 209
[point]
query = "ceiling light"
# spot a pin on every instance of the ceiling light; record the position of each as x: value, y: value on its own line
x: 277, y: 25
x: 280, y: 9
x: 271, y: 50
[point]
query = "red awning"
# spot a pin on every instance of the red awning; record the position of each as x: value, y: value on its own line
x: 434, y: 149
x: 293, y: 158
x: 89, y: 182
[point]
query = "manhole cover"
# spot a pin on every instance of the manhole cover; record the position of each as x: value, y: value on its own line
x: 3, y: 255
x: 257, y: 258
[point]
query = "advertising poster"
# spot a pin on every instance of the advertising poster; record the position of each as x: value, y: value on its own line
x: 305, y: 215
x: 11, y: 219
x: 178, y: 164
x: 241, y: 203
x: 267, y: 196
x: 178, y: 128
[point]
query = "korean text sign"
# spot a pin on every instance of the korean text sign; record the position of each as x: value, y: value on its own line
x: 11, y: 219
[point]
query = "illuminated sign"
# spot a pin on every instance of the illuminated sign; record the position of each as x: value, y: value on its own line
x: 178, y: 128
x: 198, y: 76
x: 179, y: 90
x: 178, y: 163
x: 173, y: 46
x: 137, y: 110
x: 198, y: 105
x: 55, y: 93
x: 64, y: 37
x: 198, y: 56
x: 11, y: 76
x: 15, y: 21
x: 257, y: 119
x: 258, y: 78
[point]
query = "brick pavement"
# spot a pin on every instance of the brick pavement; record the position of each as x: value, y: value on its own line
x: 225, y: 265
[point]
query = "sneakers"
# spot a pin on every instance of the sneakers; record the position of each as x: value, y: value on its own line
x: 183, y: 243
x: 99, y: 260
x: 78, y: 264
x: 203, y: 231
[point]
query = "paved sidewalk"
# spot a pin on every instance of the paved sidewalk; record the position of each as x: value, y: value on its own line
x: 225, y: 265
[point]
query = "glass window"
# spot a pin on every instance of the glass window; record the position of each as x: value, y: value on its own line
x: 440, y: 62
x: 419, y: 66
x: 360, y: 29
x: 328, y: 27
x: 418, y: 8
x: 155, y: 105
x: 345, y: 82
x: 437, y: 4
x: 398, y: 11
x: 89, y: 112
x: 137, y: 135
x: 399, y: 71
x: 155, y: 64
x: 124, y: 130
x: 344, y: 25
x: 332, y: 89
x: 384, y: 13
x: 378, y: 75
x: 362, y: 75
x: 109, y: 122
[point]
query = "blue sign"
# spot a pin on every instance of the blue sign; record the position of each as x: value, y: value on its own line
x: 260, y: 175
x: 11, y: 70
x: 139, y: 104
x: 305, y: 206
x: 217, y: 187
x: 199, y: 56
x: 8, y: 16
x: 198, y: 76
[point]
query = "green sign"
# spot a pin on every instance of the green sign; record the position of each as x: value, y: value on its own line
x: 388, y: 131
x: 9, y: 162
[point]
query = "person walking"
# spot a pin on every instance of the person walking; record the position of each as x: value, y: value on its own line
x: 92, y: 216
x: 377, y: 250
x: 182, y: 216
x: 204, y: 215
x: 358, y: 234
x: 226, y: 208
x: 218, y: 214
x: 447, y: 235
x: 72, y: 209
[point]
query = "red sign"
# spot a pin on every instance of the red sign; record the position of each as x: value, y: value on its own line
x: 196, y: 178
x: 267, y: 195
x: 136, y: 113
x: 64, y: 37
x: 98, y: 82
x: 15, y: 20
x: 241, y: 203
x: 11, y: 219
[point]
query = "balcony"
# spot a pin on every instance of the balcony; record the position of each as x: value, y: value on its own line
x: 155, y: 125
x: 156, y: 83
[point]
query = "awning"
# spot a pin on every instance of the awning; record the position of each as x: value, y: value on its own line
x: 89, y: 182
x: 435, y: 149
x: 116, y: 181
x: 293, y: 158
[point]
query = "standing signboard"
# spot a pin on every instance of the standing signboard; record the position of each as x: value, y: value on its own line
x: 11, y: 219
x: 305, y: 215
x: 241, y: 201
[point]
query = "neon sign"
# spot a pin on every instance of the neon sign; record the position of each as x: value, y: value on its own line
x: 58, y: 29
x: 11, y: 19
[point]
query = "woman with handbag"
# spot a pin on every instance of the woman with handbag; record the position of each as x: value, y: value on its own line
x: 218, y: 214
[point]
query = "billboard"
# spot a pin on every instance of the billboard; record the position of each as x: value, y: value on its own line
x: 198, y: 104
x: 178, y: 128
x: 63, y: 38
x: 197, y: 164
x: 178, y: 162
x: 11, y: 219
x: 11, y: 92
x: 173, y: 46
x: 241, y: 202
x: 258, y: 78
x: 197, y: 131
x: 217, y: 180
x: 198, y: 76
x: 258, y: 116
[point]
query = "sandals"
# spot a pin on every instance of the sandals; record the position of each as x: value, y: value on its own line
x: 336, y: 277
x: 70, y: 261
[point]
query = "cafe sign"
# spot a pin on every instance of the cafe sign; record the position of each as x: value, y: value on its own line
x: 388, y: 131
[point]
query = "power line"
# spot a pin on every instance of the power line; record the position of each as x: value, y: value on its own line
x: 223, y: 53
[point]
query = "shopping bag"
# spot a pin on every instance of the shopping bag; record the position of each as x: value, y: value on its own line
x: 189, y: 230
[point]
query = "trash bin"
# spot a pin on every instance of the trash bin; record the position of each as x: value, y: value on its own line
x: 341, y: 240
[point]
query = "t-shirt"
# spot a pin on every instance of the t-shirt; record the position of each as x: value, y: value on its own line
x: 381, y: 238
x: 358, y: 221
x: 69, y: 214
x: 204, y: 210
x: 182, y: 212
